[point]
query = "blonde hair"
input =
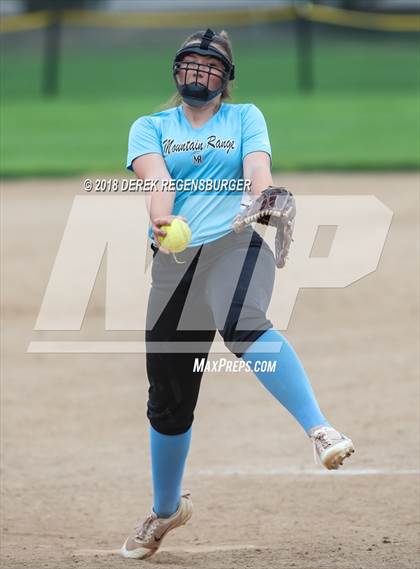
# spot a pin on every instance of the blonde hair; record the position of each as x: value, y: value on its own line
x: 221, y: 40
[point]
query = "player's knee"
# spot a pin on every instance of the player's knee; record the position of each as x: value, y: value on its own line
x: 169, y: 421
x: 238, y: 336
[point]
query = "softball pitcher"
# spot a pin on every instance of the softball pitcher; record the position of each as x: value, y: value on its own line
x: 222, y: 281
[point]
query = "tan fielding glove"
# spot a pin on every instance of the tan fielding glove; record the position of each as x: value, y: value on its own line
x: 277, y: 207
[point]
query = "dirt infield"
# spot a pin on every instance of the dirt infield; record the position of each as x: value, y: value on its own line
x: 75, y: 466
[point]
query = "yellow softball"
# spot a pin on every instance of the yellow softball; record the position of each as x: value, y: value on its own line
x: 178, y: 235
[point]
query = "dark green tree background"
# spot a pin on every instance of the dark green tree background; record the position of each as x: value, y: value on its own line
x: 36, y: 5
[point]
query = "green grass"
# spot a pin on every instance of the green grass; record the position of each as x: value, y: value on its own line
x: 362, y: 115
x: 310, y: 133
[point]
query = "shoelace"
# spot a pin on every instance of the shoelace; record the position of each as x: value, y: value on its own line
x: 146, y: 529
x: 321, y: 437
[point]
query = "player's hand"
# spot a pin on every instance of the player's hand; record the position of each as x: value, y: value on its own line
x: 159, y: 232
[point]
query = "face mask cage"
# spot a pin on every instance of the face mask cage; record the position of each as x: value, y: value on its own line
x: 200, y: 74
x: 194, y: 85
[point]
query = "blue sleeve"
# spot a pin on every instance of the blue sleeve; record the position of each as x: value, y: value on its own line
x: 143, y: 139
x: 254, y: 132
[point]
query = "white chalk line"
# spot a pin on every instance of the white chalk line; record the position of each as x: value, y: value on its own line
x: 179, y: 549
x: 226, y: 472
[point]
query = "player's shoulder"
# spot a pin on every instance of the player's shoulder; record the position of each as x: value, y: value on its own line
x: 165, y: 113
x: 243, y: 110
x: 155, y: 119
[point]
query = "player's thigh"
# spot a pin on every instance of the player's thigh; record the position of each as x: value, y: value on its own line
x: 176, y: 305
x: 239, y: 289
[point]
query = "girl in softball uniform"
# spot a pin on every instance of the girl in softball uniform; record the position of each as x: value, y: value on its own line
x: 222, y: 281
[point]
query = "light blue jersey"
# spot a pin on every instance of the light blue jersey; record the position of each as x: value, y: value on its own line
x: 213, y: 152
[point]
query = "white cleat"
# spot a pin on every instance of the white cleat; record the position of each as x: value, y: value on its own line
x: 331, y: 448
x: 147, y: 536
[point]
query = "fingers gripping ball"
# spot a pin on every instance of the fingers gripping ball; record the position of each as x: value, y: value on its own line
x: 178, y: 235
